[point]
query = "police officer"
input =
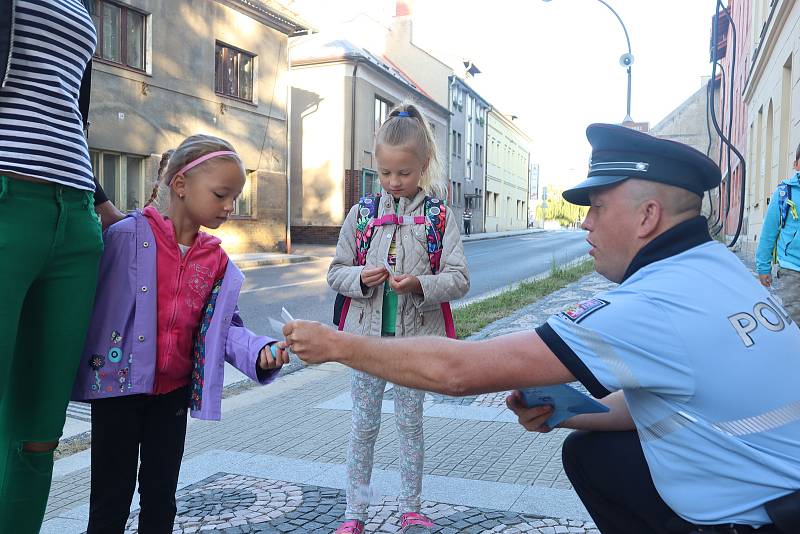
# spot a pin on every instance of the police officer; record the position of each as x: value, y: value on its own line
x: 697, y: 363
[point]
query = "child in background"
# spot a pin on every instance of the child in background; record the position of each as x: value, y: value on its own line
x: 165, y: 320
x: 396, y: 292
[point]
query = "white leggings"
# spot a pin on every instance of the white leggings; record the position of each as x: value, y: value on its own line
x: 367, y: 393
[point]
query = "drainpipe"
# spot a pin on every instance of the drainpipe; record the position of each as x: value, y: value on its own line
x: 451, y: 81
x: 288, y: 153
x: 353, y: 130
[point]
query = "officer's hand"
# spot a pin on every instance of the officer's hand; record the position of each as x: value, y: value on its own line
x: 314, y: 343
x: 765, y: 279
x: 532, y: 419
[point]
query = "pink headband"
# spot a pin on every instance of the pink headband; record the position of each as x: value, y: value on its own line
x: 194, y: 163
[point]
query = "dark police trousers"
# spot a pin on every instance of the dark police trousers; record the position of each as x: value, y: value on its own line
x: 610, y: 475
x: 123, y: 428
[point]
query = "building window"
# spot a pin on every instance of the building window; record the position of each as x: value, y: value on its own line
x: 381, y: 111
x: 454, y: 143
x: 122, y: 178
x: 370, y: 184
x: 243, y: 207
x: 458, y: 146
x: 120, y: 34
x: 233, y: 72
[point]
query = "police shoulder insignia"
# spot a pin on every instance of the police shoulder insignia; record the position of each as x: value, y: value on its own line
x: 578, y: 312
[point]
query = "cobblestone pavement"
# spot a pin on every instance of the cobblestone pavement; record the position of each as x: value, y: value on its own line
x: 235, y: 504
x: 479, y: 465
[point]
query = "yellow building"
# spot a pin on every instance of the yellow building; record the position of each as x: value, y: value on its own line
x: 507, y: 174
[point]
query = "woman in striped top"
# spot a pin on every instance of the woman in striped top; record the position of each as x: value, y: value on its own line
x: 50, y: 240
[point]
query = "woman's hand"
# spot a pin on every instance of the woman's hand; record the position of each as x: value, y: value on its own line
x: 765, y: 279
x: 405, y: 283
x: 533, y: 419
x: 374, y: 276
x: 109, y: 214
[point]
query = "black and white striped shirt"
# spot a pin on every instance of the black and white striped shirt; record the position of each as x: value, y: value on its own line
x: 41, y: 130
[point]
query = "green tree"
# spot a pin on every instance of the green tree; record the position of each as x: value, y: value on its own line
x: 560, y: 210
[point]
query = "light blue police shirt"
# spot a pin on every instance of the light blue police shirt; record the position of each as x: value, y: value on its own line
x: 710, y: 368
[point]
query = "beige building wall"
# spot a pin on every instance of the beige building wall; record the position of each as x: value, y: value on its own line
x: 688, y: 124
x: 320, y: 111
x: 142, y: 114
x: 431, y: 74
x: 772, y: 95
x: 507, y: 182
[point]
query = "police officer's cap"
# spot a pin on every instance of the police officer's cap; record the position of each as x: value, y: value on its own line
x: 619, y: 153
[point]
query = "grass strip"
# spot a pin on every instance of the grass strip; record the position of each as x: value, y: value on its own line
x: 475, y: 316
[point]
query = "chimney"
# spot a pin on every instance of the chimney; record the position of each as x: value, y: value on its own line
x: 403, y: 8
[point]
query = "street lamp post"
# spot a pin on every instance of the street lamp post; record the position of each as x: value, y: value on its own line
x: 626, y: 60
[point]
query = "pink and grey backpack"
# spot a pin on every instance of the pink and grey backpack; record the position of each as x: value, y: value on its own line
x: 434, y: 219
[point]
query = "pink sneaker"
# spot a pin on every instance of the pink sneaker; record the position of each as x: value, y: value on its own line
x: 414, y: 523
x: 353, y: 526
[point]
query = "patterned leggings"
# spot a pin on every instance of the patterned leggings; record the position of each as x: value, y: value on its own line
x: 367, y: 394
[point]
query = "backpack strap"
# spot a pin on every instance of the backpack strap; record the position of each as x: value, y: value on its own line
x: 784, y: 197
x: 435, y: 223
x: 367, y: 210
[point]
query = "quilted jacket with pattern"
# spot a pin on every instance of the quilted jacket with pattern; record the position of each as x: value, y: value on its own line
x: 417, y: 315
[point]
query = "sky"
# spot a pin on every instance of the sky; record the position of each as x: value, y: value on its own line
x: 556, y: 64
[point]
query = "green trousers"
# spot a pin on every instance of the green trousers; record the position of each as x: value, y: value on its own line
x: 50, y: 247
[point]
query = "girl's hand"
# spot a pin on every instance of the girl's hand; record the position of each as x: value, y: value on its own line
x: 405, y: 283
x: 266, y: 361
x: 533, y: 419
x: 374, y: 276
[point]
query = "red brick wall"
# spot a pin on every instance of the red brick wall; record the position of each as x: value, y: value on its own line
x: 328, y: 235
x: 352, y: 188
x: 316, y: 235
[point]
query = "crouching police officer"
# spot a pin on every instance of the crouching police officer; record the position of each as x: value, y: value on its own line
x: 697, y: 363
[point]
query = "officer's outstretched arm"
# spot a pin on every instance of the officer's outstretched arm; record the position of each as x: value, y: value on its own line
x: 437, y: 364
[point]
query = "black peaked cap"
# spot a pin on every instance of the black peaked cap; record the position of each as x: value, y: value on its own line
x: 619, y: 153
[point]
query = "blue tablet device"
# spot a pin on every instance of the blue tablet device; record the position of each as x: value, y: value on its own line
x: 565, y: 400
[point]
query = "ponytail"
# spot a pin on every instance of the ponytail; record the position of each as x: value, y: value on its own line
x: 161, y: 166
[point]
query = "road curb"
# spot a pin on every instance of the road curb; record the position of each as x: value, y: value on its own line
x: 499, y: 235
x: 278, y: 260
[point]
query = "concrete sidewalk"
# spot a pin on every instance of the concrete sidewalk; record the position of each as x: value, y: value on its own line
x: 275, y: 463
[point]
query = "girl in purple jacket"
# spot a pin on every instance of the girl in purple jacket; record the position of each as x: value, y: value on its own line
x: 165, y: 321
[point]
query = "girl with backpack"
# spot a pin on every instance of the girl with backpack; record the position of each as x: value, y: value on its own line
x: 165, y: 320
x: 399, y: 261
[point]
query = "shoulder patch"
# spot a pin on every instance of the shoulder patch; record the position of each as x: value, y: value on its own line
x: 580, y: 311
